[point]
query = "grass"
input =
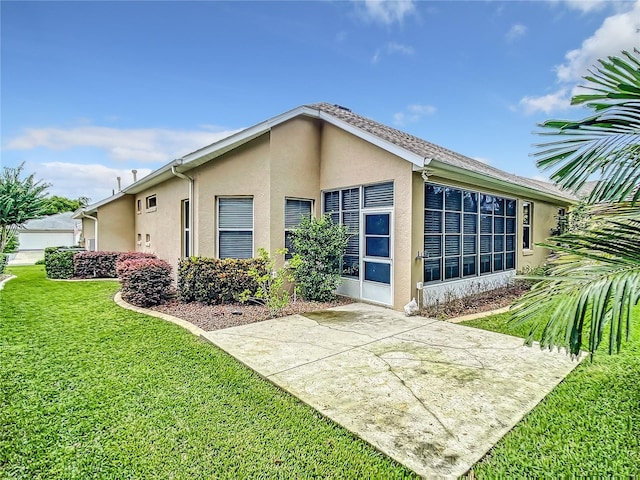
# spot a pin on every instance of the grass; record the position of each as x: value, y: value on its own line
x: 89, y: 390
x: 587, y: 426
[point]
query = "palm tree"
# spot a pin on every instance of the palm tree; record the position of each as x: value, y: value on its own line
x: 594, y: 277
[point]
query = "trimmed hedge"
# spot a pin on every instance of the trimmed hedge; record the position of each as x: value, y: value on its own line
x: 102, y: 264
x: 214, y: 281
x: 145, y: 282
x: 58, y: 261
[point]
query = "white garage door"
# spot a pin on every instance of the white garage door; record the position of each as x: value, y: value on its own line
x: 40, y: 240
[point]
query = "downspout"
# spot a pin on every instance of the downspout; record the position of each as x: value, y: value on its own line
x: 191, y: 208
x: 95, y: 223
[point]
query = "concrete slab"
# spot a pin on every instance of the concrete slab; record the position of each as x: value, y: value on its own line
x: 26, y: 257
x: 433, y: 395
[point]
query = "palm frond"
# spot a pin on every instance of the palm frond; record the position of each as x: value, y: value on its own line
x: 606, y: 144
x: 594, y: 281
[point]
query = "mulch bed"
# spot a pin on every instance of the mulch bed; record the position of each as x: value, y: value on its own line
x: 215, y: 317
x: 482, y: 302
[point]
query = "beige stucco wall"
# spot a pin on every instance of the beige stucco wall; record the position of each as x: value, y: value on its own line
x: 350, y: 161
x: 545, y: 218
x: 294, y: 171
x: 116, y: 225
x: 242, y: 172
x: 164, y: 223
x: 88, y: 231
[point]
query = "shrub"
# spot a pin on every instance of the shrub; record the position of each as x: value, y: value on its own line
x: 270, y: 292
x: 319, y: 245
x: 58, y: 261
x: 4, y: 259
x: 144, y: 281
x: 102, y: 264
x: 213, y: 281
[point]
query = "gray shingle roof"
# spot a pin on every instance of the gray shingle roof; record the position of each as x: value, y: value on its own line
x: 431, y: 151
x: 60, y: 221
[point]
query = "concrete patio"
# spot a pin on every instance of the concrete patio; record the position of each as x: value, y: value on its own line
x: 433, y: 395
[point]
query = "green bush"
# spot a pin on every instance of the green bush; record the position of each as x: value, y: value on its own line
x: 214, y: 281
x: 58, y: 261
x: 102, y: 264
x: 145, y: 282
x: 271, y: 290
x: 319, y: 245
x: 4, y: 259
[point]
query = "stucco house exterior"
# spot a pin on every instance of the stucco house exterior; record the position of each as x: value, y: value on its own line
x: 425, y: 220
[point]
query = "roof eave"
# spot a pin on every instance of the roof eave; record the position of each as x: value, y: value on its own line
x: 503, y: 185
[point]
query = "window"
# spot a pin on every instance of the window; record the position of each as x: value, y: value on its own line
x: 139, y: 205
x: 527, y: 210
x: 139, y: 239
x: 294, y: 211
x: 466, y: 233
x: 186, y: 229
x: 151, y: 202
x: 344, y: 207
x: 147, y: 240
x: 235, y: 227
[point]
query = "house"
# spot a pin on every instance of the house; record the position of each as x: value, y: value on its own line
x: 424, y: 219
x: 52, y: 231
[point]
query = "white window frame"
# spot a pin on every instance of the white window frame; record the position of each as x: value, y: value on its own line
x: 185, y: 209
x: 148, y: 200
x: 527, y: 227
x: 290, y: 229
x: 218, y: 229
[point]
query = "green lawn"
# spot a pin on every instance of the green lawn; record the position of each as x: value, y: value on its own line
x: 588, y: 426
x: 89, y: 390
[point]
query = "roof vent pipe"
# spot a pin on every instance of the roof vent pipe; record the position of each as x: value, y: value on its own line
x: 135, y: 175
x: 119, y: 184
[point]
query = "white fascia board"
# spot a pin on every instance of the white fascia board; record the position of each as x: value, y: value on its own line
x: 94, y: 207
x: 414, y: 158
x: 220, y: 147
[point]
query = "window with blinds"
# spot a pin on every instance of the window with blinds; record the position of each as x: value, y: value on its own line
x: 294, y: 211
x: 344, y: 207
x: 235, y: 227
x: 466, y: 233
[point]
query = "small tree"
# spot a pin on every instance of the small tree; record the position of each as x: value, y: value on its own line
x: 271, y: 290
x: 21, y: 199
x: 319, y: 245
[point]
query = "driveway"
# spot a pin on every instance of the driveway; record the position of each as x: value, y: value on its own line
x: 433, y: 395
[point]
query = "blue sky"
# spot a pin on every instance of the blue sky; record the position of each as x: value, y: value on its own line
x: 91, y: 90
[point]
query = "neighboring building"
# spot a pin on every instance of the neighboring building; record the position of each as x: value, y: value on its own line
x: 52, y: 231
x: 423, y: 217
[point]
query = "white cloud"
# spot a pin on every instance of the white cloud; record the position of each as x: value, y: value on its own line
x: 516, y: 31
x: 393, y: 47
x: 413, y: 113
x: 73, y: 180
x: 549, y: 103
x: 585, y: 6
x: 141, y: 145
x: 618, y: 32
x: 386, y: 12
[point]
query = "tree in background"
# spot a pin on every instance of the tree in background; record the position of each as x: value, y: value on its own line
x: 21, y: 199
x: 56, y: 204
x: 594, y: 279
